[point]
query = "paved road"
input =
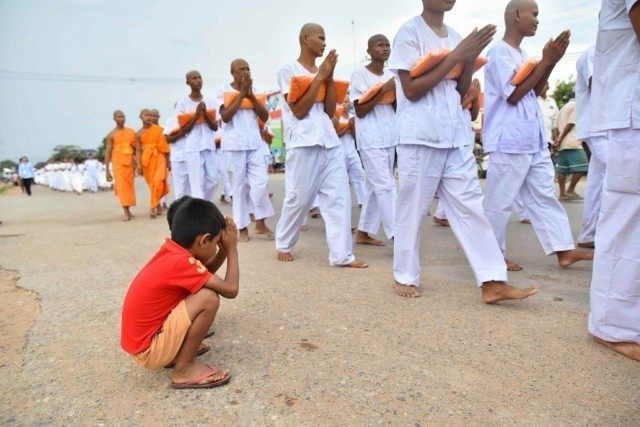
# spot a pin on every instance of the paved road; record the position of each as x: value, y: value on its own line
x: 307, y: 344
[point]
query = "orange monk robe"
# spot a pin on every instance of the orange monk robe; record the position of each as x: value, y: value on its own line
x: 124, y: 143
x: 154, y: 163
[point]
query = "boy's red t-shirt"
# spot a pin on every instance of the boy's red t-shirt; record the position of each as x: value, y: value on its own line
x: 171, y: 275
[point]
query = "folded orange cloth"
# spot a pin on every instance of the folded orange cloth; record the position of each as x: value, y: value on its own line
x: 524, y: 71
x: 183, y: 119
x: 246, y: 103
x: 387, y: 98
x: 300, y: 85
x: 429, y: 62
x: 456, y: 71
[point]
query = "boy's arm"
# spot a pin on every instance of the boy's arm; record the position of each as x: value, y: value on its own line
x: 363, y: 109
x: 230, y: 285
x: 634, y: 17
x: 563, y: 135
x: 107, y: 156
x: 551, y: 54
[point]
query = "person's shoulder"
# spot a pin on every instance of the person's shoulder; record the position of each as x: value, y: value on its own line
x: 408, y: 29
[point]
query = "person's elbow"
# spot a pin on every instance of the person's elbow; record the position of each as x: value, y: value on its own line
x: 232, y: 292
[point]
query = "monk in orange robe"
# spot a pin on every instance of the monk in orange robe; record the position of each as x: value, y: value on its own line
x: 152, y: 151
x: 121, y: 146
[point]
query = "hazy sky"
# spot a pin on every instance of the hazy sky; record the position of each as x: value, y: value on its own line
x: 67, y: 64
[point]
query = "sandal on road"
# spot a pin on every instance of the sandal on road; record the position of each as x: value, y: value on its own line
x: 195, y: 383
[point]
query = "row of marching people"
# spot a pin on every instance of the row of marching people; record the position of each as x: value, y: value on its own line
x: 73, y: 175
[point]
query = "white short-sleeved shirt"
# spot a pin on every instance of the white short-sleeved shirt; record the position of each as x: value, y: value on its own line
x: 379, y: 128
x: 316, y: 127
x: 584, y: 68
x: 436, y: 118
x: 242, y: 132
x: 568, y: 116
x: 176, y: 153
x: 615, y: 87
x: 512, y: 129
x: 201, y: 136
x: 549, y: 109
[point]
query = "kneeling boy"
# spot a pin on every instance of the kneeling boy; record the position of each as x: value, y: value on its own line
x: 172, y: 302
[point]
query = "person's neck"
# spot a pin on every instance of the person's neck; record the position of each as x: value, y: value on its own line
x: 513, y: 38
x: 195, y: 95
x: 376, y: 66
x: 543, y: 96
x: 236, y: 85
x: 435, y: 20
x: 146, y: 125
x: 308, y: 60
x: 120, y: 127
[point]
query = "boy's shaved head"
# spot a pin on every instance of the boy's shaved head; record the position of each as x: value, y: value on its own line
x: 310, y: 29
x: 376, y: 38
x: 237, y: 63
x: 514, y: 5
x: 190, y: 73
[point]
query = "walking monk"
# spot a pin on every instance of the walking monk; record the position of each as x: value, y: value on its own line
x: 152, y: 151
x: 122, y: 141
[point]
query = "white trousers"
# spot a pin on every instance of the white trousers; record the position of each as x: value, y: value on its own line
x: 202, y: 167
x: 250, y: 182
x: 92, y: 182
x: 518, y: 209
x: 593, y: 194
x: 318, y: 171
x: 379, y: 204
x: 180, y: 179
x: 452, y: 172
x: 615, y: 285
x: 223, y: 174
x: 354, y: 170
x: 532, y: 177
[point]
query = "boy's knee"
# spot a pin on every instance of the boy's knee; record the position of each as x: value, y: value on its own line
x: 208, y: 298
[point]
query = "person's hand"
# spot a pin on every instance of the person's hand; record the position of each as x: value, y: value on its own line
x: 325, y: 70
x: 474, y: 90
x: 109, y: 177
x: 201, y: 108
x: 556, y: 143
x: 472, y: 45
x: 389, y: 85
x: 229, y: 235
x: 554, y: 49
x: 245, y: 86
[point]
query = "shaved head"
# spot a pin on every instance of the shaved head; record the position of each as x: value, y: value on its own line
x: 310, y: 29
x: 118, y: 112
x: 514, y: 5
x: 154, y: 111
x: 376, y: 38
x: 145, y: 111
x: 191, y: 73
x: 238, y: 63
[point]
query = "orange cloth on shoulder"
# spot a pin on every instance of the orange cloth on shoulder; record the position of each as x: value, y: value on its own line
x: 524, y: 71
x: 387, y: 98
x: 433, y: 58
x: 183, y: 119
x: 300, y: 85
x: 246, y: 103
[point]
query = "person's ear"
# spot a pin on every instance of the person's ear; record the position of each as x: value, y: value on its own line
x: 204, y: 239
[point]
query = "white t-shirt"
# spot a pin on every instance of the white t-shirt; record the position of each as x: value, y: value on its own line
x: 513, y: 129
x: 568, y: 116
x: 379, y: 128
x: 436, y: 119
x: 316, y: 127
x: 201, y: 136
x: 549, y: 110
x: 584, y: 68
x: 615, y: 87
x: 242, y: 132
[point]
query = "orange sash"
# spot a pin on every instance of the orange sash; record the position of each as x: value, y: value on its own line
x: 183, y: 119
x: 387, y: 98
x: 246, y: 103
x: 524, y: 71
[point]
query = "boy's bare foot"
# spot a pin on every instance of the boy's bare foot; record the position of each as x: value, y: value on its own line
x: 629, y: 349
x: 587, y: 245
x: 525, y: 221
x: 285, y: 256
x: 357, y: 264
x: 567, y: 258
x: 512, y: 266
x: 152, y: 213
x: 406, y: 291
x: 243, y: 235
x: 270, y: 195
x: 363, y: 238
x: 493, y: 292
x: 315, y: 212
x: 223, y: 200
x: 127, y: 214
x: 261, y: 228
x: 354, y: 228
x: 197, y: 375
x: 441, y: 221
x: 252, y: 217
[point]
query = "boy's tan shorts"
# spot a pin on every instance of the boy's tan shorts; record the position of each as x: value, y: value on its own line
x: 166, y: 344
